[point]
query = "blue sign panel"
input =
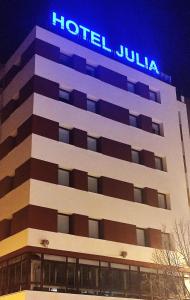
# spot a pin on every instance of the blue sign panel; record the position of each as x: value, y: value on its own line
x: 100, y: 41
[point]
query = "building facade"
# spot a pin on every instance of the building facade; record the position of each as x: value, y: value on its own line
x: 94, y: 171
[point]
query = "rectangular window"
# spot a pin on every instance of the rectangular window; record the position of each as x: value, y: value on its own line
x: 92, y: 184
x: 162, y: 201
x: 93, y: 228
x: 153, y: 96
x: 91, y: 143
x: 64, y: 135
x: 63, y: 177
x: 65, y: 60
x: 90, y: 70
x: 91, y: 105
x: 135, y: 156
x: 133, y: 121
x: 131, y: 87
x: 64, y: 96
x: 141, y: 241
x: 158, y: 163
x: 156, y: 128
x: 63, y: 223
x: 166, y: 242
x: 138, y: 195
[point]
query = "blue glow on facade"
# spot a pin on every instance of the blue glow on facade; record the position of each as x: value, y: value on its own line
x: 100, y: 41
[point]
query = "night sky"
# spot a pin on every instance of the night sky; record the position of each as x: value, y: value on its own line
x: 157, y: 28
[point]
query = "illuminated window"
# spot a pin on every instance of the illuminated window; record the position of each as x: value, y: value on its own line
x: 156, y: 128
x: 141, y: 240
x: 135, y: 156
x: 91, y: 143
x: 65, y: 60
x: 158, y: 163
x: 138, y: 195
x: 64, y: 96
x: 90, y: 70
x: 133, y: 120
x: 131, y: 87
x: 63, y: 177
x: 91, y: 105
x: 153, y: 96
x: 64, y: 135
x: 92, y: 184
x: 93, y: 228
x: 63, y: 223
x: 162, y: 201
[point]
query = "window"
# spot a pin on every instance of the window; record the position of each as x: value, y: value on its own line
x: 63, y: 177
x: 65, y: 60
x: 166, y: 242
x: 156, y: 128
x: 162, y: 201
x: 153, y: 96
x: 138, y: 195
x: 63, y: 223
x: 131, y: 87
x: 135, y: 156
x: 133, y: 120
x: 91, y: 105
x: 93, y: 228
x: 141, y: 241
x: 64, y: 135
x: 90, y: 70
x: 158, y: 163
x: 64, y: 96
x: 91, y: 143
x: 92, y: 184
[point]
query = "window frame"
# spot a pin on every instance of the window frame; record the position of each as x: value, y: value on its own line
x: 69, y: 173
x: 91, y: 191
x: 65, y: 100
x: 69, y: 133
x: 136, y: 120
x: 141, y: 192
x: 90, y: 70
x: 96, y: 141
x: 161, y: 163
x: 144, y: 237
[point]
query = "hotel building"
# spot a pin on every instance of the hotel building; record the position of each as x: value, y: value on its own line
x: 94, y: 164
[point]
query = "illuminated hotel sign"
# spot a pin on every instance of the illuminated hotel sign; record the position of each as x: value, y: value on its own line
x: 100, y: 41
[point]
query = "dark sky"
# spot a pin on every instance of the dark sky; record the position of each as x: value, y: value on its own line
x: 158, y: 28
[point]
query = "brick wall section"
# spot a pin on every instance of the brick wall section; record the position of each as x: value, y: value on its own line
x: 6, y: 185
x: 142, y: 90
x: 116, y: 188
x: 79, y: 180
x: 118, y: 232
x: 153, y: 238
x: 114, y: 149
x: 78, y: 63
x: 147, y: 158
x: 7, y: 146
x: 5, y: 229
x: 78, y: 225
x: 150, y: 196
x: 36, y: 169
x: 111, y: 77
x: 78, y: 138
x: 145, y: 123
x: 36, y: 217
x: 78, y: 99
x: 38, y: 125
x: 41, y: 48
x: 40, y: 86
x: 113, y: 112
